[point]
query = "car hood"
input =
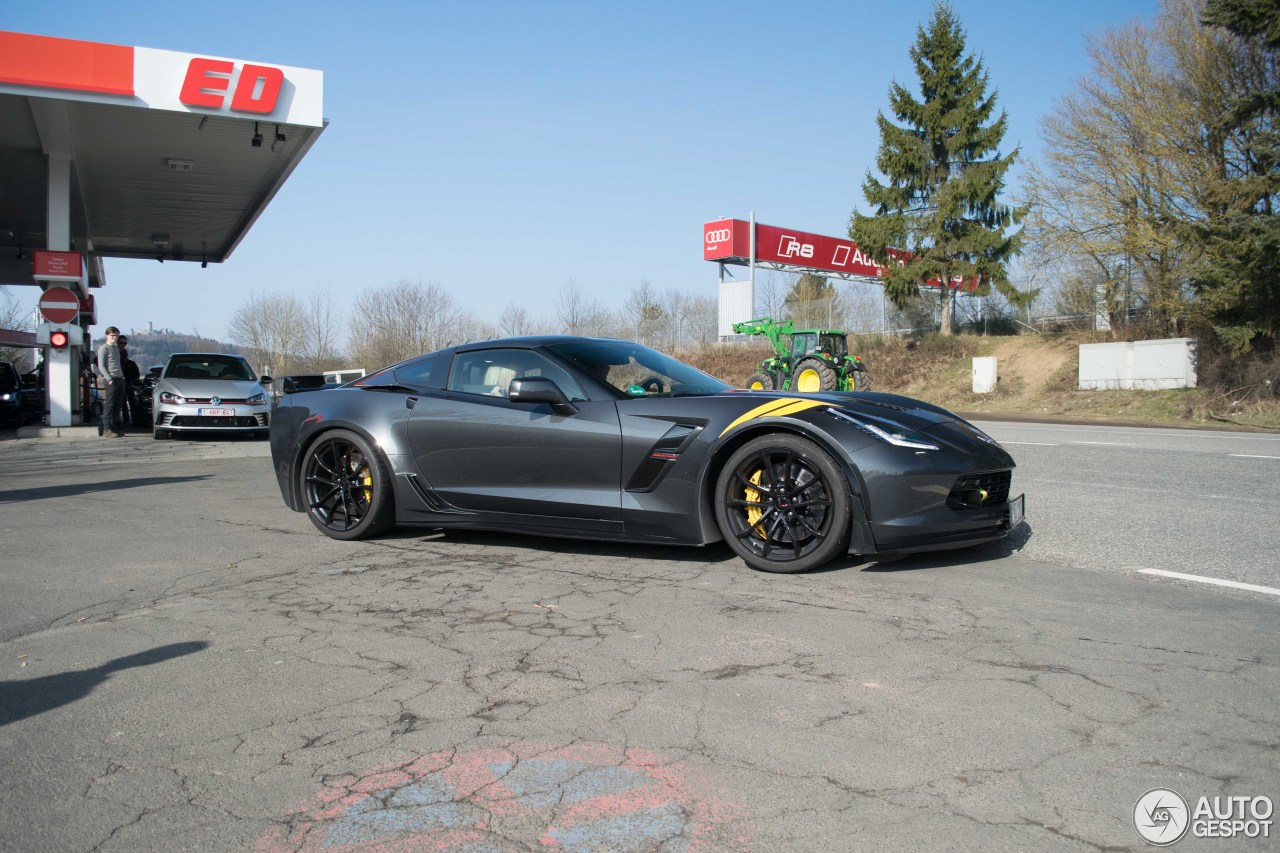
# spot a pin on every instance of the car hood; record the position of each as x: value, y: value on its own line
x: 227, y: 389
x: 889, y: 411
x: 911, y: 413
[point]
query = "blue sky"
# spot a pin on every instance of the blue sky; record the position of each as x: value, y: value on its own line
x: 503, y: 149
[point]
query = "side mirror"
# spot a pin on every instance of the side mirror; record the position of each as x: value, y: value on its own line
x: 539, y: 389
x: 265, y: 380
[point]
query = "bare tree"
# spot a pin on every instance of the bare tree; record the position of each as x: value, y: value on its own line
x: 18, y: 319
x: 701, y: 323
x: 772, y: 288
x: 579, y: 314
x: 514, y: 320
x: 1134, y: 157
x: 318, y: 345
x: 643, y: 315
x: 269, y: 326
x: 401, y: 320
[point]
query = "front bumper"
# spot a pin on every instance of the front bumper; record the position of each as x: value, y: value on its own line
x: 243, y: 418
x: 942, y: 528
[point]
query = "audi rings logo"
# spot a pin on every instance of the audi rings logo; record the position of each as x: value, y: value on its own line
x: 718, y: 236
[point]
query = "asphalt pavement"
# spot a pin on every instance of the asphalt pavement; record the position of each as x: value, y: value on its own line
x: 189, y: 665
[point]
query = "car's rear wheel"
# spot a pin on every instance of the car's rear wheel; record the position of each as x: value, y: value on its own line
x: 346, y: 487
x: 782, y: 504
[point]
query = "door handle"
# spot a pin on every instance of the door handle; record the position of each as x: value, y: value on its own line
x: 410, y: 402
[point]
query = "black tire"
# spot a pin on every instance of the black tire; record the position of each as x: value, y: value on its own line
x: 346, y: 487
x: 782, y: 504
x: 160, y: 434
x: 861, y: 380
x: 813, y: 375
x: 759, y: 382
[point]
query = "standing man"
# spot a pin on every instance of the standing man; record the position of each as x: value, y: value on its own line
x: 132, y: 376
x: 111, y: 369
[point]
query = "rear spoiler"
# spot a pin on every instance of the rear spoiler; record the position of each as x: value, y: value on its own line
x: 306, y: 382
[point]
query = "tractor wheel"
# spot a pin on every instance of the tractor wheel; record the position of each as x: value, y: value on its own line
x: 759, y: 382
x: 861, y: 380
x: 812, y: 375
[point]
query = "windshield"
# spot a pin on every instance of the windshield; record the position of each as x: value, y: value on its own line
x: 637, y: 371
x: 208, y: 367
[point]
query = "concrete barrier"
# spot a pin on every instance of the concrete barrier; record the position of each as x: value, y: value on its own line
x: 1138, y: 365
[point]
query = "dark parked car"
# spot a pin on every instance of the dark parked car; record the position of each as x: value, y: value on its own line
x: 11, y: 414
x: 610, y: 440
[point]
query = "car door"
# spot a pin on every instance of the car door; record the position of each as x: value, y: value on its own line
x: 519, y: 463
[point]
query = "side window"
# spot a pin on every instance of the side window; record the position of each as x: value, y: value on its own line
x: 423, y: 373
x: 490, y: 372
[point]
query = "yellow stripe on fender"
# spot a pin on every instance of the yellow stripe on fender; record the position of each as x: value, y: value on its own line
x: 776, y: 408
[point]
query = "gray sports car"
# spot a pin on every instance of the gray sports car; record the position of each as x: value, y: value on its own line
x: 610, y: 440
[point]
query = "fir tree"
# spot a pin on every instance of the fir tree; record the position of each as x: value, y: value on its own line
x: 1239, y: 282
x: 944, y: 174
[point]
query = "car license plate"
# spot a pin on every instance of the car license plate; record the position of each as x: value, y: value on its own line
x: 217, y: 413
x: 1017, y: 511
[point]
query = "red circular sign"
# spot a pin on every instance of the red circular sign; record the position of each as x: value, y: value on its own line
x: 59, y: 305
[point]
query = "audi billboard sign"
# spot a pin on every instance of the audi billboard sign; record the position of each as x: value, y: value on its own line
x: 728, y: 241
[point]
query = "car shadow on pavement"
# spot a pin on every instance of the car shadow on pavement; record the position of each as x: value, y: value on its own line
x: 26, y: 698
x: 718, y: 552
x: 71, y: 490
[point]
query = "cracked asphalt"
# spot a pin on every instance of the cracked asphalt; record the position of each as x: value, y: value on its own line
x: 190, y: 666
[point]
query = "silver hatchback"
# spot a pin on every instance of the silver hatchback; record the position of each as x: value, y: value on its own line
x: 213, y: 392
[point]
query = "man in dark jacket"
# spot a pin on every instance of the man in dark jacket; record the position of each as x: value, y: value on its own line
x: 132, y: 378
x: 111, y: 369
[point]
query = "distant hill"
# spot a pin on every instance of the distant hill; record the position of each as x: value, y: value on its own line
x: 148, y: 349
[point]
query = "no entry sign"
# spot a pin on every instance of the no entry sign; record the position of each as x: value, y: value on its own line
x: 59, y: 305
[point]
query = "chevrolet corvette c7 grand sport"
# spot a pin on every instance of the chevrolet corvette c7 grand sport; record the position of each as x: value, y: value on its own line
x: 610, y: 440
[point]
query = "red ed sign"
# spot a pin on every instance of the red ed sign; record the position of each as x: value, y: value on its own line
x: 256, y: 91
x: 59, y: 305
x: 56, y: 266
x: 729, y: 241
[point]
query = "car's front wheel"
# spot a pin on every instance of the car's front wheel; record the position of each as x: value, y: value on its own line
x: 783, y: 504
x: 346, y: 487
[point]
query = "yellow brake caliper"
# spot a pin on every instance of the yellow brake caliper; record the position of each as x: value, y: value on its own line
x: 366, y: 481
x: 754, y: 513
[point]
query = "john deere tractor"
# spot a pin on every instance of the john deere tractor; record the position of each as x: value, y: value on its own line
x: 804, y: 359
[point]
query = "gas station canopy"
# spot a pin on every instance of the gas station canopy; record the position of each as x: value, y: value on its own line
x: 171, y: 155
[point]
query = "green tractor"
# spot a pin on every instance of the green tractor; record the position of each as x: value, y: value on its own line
x: 804, y: 359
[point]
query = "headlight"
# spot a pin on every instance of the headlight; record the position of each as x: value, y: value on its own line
x: 257, y: 400
x: 172, y: 399
x: 898, y: 436
x: 6, y: 397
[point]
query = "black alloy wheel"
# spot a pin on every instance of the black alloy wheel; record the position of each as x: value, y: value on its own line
x: 783, y: 504
x: 346, y: 487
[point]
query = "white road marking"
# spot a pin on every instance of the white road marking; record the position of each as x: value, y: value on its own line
x: 1106, y: 443
x: 1036, y: 443
x: 1249, y: 456
x: 1249, y: 587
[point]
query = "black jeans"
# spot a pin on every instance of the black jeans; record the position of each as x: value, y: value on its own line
x: 114, y: 405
